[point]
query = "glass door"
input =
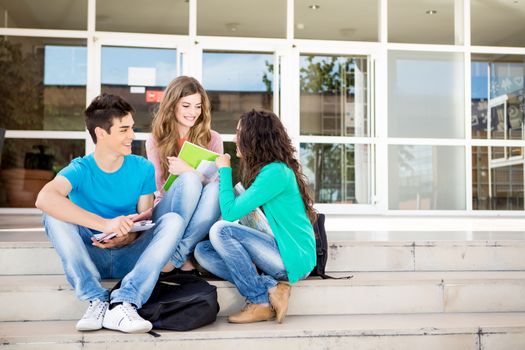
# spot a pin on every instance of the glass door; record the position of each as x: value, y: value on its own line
x: 336, y: 128
x: 237, y: 81
x: 139, y: 72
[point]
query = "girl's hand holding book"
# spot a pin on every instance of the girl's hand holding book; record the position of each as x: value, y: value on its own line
x: 223, y: 161
x: 177, y: 166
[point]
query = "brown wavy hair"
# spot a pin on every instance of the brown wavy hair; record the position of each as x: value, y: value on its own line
x: 262, y: 139
x: 165, y: 129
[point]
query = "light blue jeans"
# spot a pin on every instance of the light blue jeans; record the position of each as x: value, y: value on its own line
x: 198, y: 206
x: 138, y: 263
x: 234, y: 251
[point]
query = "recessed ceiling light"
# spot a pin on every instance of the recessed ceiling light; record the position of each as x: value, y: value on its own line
x: 300, y: 26
x: 431, y: 12
x: 314, y: 7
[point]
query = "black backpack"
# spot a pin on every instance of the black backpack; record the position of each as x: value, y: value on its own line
x: 180, y: 303
x: 321, y: 246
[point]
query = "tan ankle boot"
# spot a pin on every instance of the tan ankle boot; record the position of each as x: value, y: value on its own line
x: 279, y: 300
x: 253, y: 313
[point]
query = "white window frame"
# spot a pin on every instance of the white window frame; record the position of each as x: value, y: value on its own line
x: 342, y: 49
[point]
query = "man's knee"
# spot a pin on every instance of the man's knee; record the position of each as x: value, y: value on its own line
x: 55, y: 227
x: 170, y: 224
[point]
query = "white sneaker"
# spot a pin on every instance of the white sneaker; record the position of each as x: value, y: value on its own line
x: 92, y: 319
x: 124, y: 318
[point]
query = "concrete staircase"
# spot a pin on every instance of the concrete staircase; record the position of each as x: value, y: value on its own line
x: 411, y: 290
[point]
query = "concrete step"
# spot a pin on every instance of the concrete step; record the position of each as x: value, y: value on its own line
x: 21, y: 252
x: 32, y: 298
x: 493, y: 331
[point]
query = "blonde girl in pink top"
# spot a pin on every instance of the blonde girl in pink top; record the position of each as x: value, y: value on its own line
x: 184, y: 114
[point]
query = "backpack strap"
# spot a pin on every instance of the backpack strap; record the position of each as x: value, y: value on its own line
x: 325, y: 276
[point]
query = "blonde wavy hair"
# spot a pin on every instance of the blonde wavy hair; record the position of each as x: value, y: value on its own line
x: 165, y: 129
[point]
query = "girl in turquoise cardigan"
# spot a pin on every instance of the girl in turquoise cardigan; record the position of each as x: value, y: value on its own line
x: 273, y: 180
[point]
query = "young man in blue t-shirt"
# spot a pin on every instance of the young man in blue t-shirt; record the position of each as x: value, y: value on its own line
x: 101, y: 193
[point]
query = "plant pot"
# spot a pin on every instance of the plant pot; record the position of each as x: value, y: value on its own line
x: 22, y: 185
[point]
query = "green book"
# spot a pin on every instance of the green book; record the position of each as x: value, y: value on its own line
x: 194, y: 155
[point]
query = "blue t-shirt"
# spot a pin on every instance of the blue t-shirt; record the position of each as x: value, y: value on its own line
x: 109, y: 194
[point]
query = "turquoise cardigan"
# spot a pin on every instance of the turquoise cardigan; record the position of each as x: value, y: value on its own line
x: 275, y: 189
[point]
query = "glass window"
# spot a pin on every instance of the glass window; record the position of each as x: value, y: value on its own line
x: 337, y: 173
x: 498, y: 96
x: 425, y: 95
x: 355, y: 20
x: 497, y: 23
x: 236, y: 83
x: 334, y: 95
x: 28, y: 164
x: 138, y: 147
x: 242, y: 18
x: 138, y: 16
x: 43, y: 84
x: 48, y: 14
x: 139, y: 75
x: 497, y: 184
x: 230, y: 148
x: 425, y: 22
x: 426, y: 177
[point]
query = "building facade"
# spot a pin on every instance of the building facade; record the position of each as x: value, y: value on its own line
x: 395, y: 106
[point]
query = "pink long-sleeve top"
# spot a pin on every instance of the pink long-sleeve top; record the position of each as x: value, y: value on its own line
x: 152, y: 153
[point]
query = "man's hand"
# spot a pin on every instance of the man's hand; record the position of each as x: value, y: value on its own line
x: 120, y: 225
x: 223, y: 161
x: 115, y: 242
x: 177, y: 166
x: 145, y: 215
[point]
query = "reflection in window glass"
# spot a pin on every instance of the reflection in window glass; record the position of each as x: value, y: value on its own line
x: 48, y: 14
x: 425, y: 95
x: 236, y: 83
x: 28, y: 164
x: 354, y: 20
x: 334, y: 95
x: 230, y: 148
x: 138, y: 16
x: 497, y: 23
x: 138, y: 147
x: 43, y: 83
x: 242, y: 18
x: 497, y: 184
x: 139, y: 75
x: 425, y: 22
x: 498, y: 96
x: 337, y: 173
x: 426, y: 177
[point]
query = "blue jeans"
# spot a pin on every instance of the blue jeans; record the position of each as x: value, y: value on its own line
x: 138, y: 263
x: 234, y: 251
x: 197, y: 205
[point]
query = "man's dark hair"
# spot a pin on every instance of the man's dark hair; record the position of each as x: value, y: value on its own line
x: 102, y: 110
